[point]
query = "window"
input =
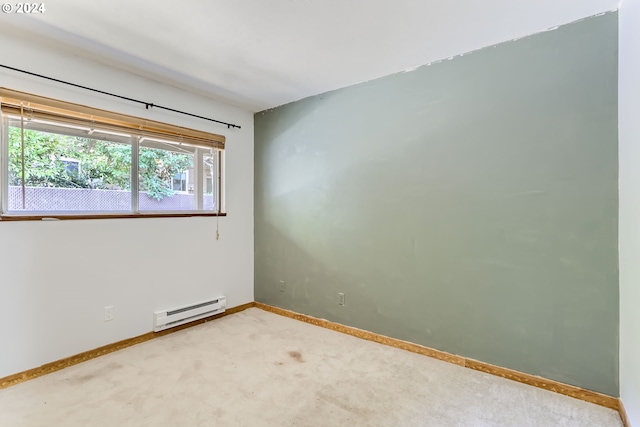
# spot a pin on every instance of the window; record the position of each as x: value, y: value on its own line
x: 61, y: 159
x: 180, y: 181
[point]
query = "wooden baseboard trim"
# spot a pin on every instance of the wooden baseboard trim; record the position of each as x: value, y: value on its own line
x: 623, y: 414
x: 551, y: 385
x: 49, y: 368
x: 366, y: 335
x: 544, y: 383
x: 109, y: 348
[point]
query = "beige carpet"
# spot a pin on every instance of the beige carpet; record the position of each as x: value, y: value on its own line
x: 259, y: 369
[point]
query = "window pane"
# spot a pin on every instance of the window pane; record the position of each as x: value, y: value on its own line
x: 66, y: 170
x: 166, y: 178
x: 210, y: 175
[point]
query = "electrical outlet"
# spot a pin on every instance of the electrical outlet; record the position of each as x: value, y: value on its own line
x: 108, y: 313
x: 282, y: 286
x: 341, y: 300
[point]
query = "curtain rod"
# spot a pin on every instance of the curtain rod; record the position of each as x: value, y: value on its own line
x: 146, y: 104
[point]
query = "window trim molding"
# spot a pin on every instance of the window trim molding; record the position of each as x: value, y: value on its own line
x: 82, y: 216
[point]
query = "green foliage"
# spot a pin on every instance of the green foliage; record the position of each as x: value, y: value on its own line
x: 157, y: 168
x: 103, y: 165
x: 42, y: 154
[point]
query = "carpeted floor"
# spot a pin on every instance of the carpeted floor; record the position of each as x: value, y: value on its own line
x: 256, y: 368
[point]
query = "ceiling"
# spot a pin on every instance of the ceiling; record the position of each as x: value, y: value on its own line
x: 258, y: 54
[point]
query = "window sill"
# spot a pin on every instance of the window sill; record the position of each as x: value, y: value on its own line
x: 54, y: 216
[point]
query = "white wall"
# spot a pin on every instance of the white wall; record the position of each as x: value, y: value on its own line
x: 57, y: 277
x: 629, y: 137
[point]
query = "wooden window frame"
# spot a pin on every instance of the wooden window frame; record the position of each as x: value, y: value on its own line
x: 66, y: 113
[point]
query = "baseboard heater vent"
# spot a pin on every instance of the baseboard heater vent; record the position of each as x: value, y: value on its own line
x: 179, y: 316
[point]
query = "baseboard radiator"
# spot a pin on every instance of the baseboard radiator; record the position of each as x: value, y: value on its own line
x: 179, y: 316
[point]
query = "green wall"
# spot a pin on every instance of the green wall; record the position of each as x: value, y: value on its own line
x: 469, y: 205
